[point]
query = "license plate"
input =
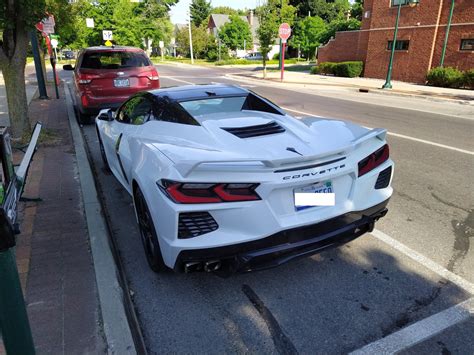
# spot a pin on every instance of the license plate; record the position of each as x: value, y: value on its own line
x: 319, y: 194
x: 121, y: 83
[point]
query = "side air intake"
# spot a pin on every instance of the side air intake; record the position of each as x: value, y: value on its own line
x: 255, y: 131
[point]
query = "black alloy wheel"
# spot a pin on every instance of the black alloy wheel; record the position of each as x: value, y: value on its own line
x: 148, y: 234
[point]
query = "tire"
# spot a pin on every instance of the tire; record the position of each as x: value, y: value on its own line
x: 102, y: 152
x: 148, y: 234
x: 82, y: 118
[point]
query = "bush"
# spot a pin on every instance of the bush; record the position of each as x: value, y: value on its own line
x: 276, y: 56
x: 324, y: 68
x: 446, y: 77
x: 345, y: 69
x: 468, y: 79
x: 349, y: 69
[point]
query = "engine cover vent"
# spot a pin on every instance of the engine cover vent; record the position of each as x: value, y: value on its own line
x: 255, y: 131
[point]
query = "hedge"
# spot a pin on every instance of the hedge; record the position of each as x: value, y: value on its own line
x: 445, y: 77
x: 344, y: 69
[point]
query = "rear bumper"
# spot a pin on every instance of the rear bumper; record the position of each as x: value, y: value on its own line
x: 285, y: 245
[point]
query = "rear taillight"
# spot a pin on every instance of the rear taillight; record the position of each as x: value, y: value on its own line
x: 374, y: 160
x: 85, y: 79
x: 208, y: 193
x: 153, y: 76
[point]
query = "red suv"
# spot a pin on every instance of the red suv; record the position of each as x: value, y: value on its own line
x: 104, y: 77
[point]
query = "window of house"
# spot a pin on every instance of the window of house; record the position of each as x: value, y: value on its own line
x: 467, y: 44
x: 401, y: 45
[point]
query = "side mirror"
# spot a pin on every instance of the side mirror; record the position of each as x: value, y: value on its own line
x: 106, y: 116
x: 68, y: 67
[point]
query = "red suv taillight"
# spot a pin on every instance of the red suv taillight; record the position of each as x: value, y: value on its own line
x: 85, y: 79
x: 208, y: 193
x: 374, y: 160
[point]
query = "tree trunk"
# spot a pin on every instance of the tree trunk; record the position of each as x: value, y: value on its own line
x: 13, y: 70
x: 264, y: 68
x: 14, y: 76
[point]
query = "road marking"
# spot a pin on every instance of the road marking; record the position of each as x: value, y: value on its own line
x: 182, y: 81
x: 426, y: 262
x: 399, y: 135
x: 420, y: 331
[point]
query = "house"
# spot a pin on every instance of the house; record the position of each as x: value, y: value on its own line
x: 216, y: 21
x: 420, y: 40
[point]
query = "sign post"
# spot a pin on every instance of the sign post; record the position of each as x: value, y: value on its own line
x: 284, y: 32
x: 162, y: 46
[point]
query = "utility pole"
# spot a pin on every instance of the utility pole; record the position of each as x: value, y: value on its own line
x: 190, y: 39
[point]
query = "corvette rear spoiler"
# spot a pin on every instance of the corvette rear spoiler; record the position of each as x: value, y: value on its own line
x: 186, y: 167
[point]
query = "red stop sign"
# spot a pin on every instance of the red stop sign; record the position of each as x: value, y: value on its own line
x: 284, y: 31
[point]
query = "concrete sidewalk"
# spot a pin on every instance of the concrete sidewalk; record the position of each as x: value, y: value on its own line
x: 372, y: 85
x: 55, y: 250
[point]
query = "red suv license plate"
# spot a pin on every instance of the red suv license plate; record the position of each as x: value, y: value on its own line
x: 121, y: 83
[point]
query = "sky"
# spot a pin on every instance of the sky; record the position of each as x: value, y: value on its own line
x: 178, y: 12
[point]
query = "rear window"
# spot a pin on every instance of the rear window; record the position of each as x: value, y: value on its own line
x: 114, y: 60
x: 227, y: 104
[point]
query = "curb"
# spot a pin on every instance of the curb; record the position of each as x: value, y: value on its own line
x: 436, y: 98
x: 117, y: 331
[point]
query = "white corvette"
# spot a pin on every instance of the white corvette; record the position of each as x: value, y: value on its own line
x: 223, y: 179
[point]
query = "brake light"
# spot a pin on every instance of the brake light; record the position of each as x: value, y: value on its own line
x: 374, y: 160
x: 154, y: 76
x: 84, y: 79
x: 208, y: 193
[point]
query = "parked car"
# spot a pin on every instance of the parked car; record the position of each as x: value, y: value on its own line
x: 216, y: 173
x: 107, y: 76
x: 254, y: 56
x: 67, y: 54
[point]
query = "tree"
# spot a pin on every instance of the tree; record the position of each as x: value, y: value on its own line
x: 339, y: 25
x: 17, y: 18
x: 357, y: 8
x: 328, y: 10
x: 270, y: 16
x: 200, y: 11
x: 201, y: 40
x: 226, y: 10
x: 235, y: 33
x: 307, y: 34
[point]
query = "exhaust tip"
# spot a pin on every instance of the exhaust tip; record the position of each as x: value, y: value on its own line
x: 212, y: 265
x: 192, y: 267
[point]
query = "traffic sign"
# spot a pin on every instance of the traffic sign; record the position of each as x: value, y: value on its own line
x: 48, y: 24
x: 54, y: 43
x: 284, y: 32
x: 108, y: 43
x: 90, y: 22
x: 162, y: 44
x: 107, y: 35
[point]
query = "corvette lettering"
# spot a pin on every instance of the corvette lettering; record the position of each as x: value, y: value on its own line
x: 314, y: 173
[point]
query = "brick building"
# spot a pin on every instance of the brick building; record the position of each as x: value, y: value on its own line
x: 421, y: 34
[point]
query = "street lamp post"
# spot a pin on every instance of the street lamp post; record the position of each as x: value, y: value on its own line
x: 411, y: 3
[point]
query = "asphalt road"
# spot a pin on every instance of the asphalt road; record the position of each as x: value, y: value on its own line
x: 342, y: 299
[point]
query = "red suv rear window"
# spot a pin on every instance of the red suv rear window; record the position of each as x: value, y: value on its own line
x: 114, y: 60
